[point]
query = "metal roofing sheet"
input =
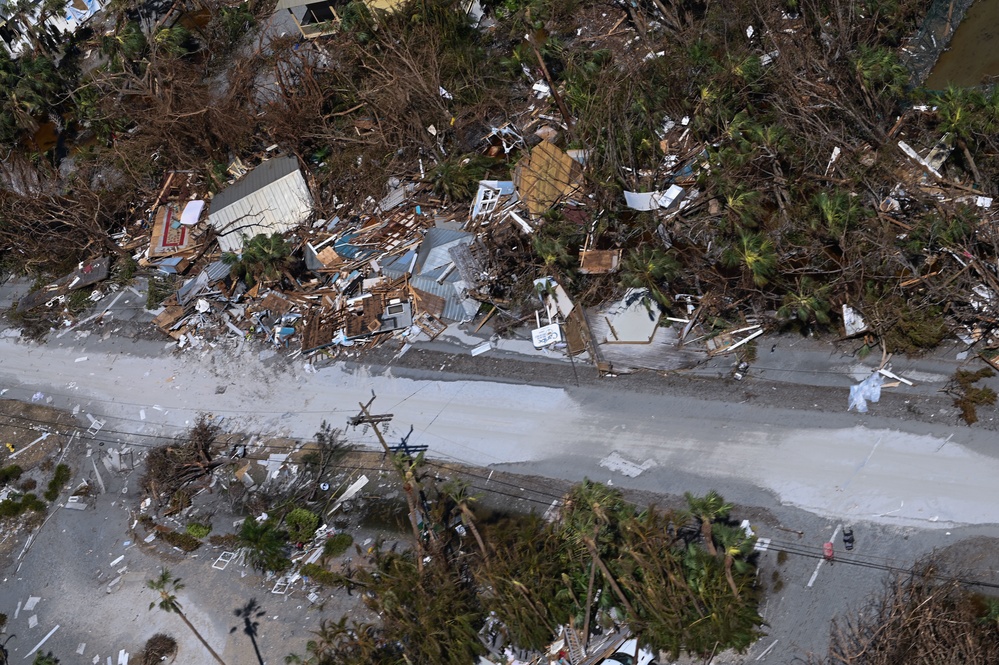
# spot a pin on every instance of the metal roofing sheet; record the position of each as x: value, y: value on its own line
x: 456, y: 308
x: 434, y: 248
x: 272, y: 198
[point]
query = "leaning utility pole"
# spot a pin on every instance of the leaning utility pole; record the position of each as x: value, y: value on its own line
x: 410, y: 485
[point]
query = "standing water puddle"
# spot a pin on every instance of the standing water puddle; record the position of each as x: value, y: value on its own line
x: 973, y: 52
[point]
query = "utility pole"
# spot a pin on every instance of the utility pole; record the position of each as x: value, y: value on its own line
x: 409, y: 483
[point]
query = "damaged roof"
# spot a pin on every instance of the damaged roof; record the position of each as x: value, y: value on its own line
x: 547, y: 176
x: 272, y: 198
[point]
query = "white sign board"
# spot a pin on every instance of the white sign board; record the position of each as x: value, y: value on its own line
x: 546, y: 335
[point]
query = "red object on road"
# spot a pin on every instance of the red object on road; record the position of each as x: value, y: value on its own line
x: 827, y: 551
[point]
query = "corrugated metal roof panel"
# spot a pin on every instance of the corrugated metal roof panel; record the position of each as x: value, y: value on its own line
x: 455, y: 308
x: 265, y: 173
x: 275, y: 201
x: 434, y: 248
x: 397, y: 266
x: 217, y: 270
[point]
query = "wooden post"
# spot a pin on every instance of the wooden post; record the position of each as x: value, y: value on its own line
x: 409, y: 483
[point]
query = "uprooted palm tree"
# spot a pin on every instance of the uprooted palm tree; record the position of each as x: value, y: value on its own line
x: 168, y: 586
x: 707, y: 509
x: 736, y: 547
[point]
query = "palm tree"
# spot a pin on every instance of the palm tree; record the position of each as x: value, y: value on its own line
x: 457, y: 178
x: 125, y: 48
x: 807, y: 303
x: 264, y: 259
x: 167, y: 586
x: 551, y: 251
x: 736, y: 546
x: 880, y: 72
x: 649, y: 267
x: 838, y: 212
x: 264, y: 545
x: 45, y: 659
x: 457, y: 491
x: 707, y: 509
x: 755, y: 254
x: 956, y: 110
x: 174, y: 41
x: 745, y: 206
x: 28, y: 85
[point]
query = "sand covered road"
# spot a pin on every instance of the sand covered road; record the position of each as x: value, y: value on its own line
x: 832, y: 464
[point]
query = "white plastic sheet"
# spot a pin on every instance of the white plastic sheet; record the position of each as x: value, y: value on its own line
x: 868, y: 390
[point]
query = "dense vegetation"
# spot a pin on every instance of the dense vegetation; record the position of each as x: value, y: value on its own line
x: 921, y: 617
x: 518, y: 579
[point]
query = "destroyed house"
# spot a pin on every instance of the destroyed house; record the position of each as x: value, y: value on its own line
x: 272, y: 198
x: 317, y: 19
x: 433, y: 274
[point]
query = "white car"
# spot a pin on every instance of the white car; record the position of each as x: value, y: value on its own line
x: 625, y: 655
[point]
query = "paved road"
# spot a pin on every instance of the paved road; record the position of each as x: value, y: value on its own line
x: 826, y: 463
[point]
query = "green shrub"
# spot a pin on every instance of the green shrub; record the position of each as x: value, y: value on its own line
x: 31, y: 501
x: 10, y: 473
x: 198, y: 530
x: 320, y: 575
x: 302, y: 525
x: 16, y: 506
x: 60, y: 478
x: 184, y: 541
x: 10, y: 508
x: 337, y: 545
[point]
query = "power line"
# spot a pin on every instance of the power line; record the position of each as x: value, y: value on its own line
x: 76, y: 397
x: 790, y: 548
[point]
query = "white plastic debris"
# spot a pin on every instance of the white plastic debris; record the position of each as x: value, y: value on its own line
x: 853, y: 322
x: 868, y: 390
x: 542, y: 90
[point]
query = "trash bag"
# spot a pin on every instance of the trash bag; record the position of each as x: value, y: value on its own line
x: 868, y: 390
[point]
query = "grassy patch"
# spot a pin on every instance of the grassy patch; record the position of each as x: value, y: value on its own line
x: 967, y: 396
x: 184, y: 541
x: 198, y: 530
x: 229, y: 541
